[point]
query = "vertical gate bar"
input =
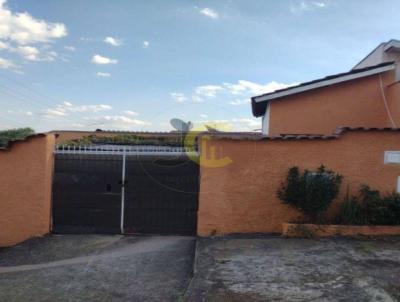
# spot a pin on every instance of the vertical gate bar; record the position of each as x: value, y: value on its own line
x: 123, y: 191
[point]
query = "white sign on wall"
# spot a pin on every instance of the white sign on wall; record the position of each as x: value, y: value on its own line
x: 398, y: 184
x: 392, y: 157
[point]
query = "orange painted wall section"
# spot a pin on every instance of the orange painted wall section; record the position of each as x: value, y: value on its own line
x: 241, y: 197
x: 25, y: 189
x: 356, y: 103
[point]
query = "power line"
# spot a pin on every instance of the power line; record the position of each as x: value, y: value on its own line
x: 12, y: 121
x: 25, y: 99
x: 49, y: 100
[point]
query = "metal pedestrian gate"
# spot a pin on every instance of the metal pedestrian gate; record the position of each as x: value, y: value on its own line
x: 125, y: 189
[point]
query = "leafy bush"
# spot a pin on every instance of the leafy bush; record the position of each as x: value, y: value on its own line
x: 392, y: 202
x: 14, y: 134
x: 310, y: 192
x: 370, y: 208
x: 350, y: 212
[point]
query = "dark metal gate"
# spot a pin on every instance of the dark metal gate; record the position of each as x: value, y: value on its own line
x: 125, y: 190
x: 87, y: 193
x: 161, y: 195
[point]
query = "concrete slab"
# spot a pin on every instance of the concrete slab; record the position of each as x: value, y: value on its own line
x: 278, y: 269
x: 97, y: 268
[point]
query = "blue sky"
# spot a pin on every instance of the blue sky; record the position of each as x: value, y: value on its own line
x: 133, y: 65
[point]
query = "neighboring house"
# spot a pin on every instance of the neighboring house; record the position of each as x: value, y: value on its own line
x: 366, y: 96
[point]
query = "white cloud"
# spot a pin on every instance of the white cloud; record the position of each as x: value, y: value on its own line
x: 208, y: 90
x: 299, y: 7
x: 88, y: 108
x: 67, y: 108
x: 247, y: 123
x: 178, y: 97
x: 54, y: 113
x: 117, y: 121
x: 28, y: 113
x: 70, y: 48
x: 197, y: 99
x: 240, y: 102
x: 103, y: 74
x: 6, y: 64
x: 131, y: 113
x: 146, y: 44
x: 112, y: 41
x: 86, y: 39
x: 233, y: 124
x: 28, y: 52
x: 22, y: 28
x: 100, y: 60
x: 209, y: 12
x: 32, y: 53
x: 243, y: 87
x: 319, y: 4
x: 203, y: 115
x: 4, y: 45
x: 242, y: 91
x: 21, y: 33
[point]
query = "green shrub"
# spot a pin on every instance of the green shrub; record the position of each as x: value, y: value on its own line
x: 310, y: 192
x: 350, y: 212
x: 370, y: 208
x: 14, y: 134
x: 392, y: 202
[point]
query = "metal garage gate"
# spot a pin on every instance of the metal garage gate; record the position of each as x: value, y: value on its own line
x: 125, y: 189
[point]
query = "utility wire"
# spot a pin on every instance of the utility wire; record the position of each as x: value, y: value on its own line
x: 17, y: 123
x: 49, y: 100
x: 26, y: 99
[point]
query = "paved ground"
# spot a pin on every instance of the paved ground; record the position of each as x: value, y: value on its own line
x: 97, y: 268
x: 116, y: 268
x: 277, y: 269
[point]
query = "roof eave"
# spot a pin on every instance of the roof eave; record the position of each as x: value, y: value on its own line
x: 345, y: 78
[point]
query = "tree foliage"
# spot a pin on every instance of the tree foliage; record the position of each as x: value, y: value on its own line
x: 14, y: 134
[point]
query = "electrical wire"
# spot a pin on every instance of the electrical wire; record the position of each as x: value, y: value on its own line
x: 386, y: 103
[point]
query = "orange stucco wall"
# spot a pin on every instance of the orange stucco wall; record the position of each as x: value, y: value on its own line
x: 25, y: 189
x: 241, y: 197
x: 356, y: 103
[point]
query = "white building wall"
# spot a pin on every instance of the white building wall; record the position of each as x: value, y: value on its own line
x: 265, y: 120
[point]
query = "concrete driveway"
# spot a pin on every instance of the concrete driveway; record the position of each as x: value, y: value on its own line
x: 97, y: 268
x: 278, y: 269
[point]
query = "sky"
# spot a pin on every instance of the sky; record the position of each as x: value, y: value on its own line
x: 134, y: 65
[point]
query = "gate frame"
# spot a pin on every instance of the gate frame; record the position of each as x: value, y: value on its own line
x: 125, y: 150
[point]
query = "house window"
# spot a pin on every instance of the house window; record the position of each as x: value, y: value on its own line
x: 392, y: 157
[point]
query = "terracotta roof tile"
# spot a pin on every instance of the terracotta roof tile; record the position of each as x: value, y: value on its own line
x: 337, y: 133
